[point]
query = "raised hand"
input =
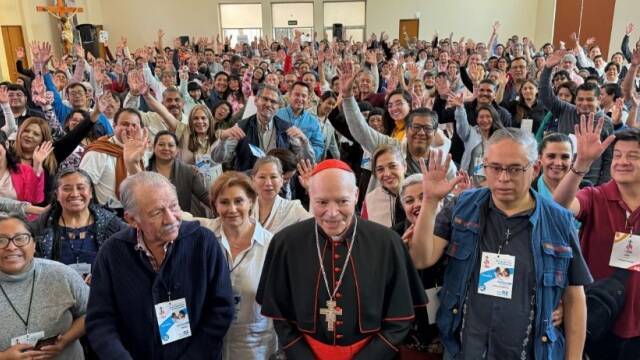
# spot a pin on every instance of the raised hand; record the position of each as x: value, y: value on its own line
x: 630, y: 28
x: 414, y: 71
x: 456, y: 100
x: 104, y: 101
x: 590, y: 41
x: 347, y: 76
x: 496, y: 26
x: 435, y: 185
x: 137, y: 83
x: 40, y: 154
x: 462, y: 185
x: 555, y: 58
x: 305, y: 168
x: 4, y: 95
x: 44, y: 52
x: 616, y: 111
x: 134, y: 146
x: 588, y: 144
x: 35, y: 50
x: 80, y: 53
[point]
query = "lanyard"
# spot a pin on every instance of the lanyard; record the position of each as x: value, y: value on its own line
x: 239, y: 262
x: 25, y: 322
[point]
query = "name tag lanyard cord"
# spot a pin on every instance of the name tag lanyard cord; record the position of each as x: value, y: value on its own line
x: 344, y: 267
x: 25, y: 322
x: 508, y: 234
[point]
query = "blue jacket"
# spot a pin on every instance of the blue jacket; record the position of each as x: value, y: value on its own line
x: 62, y: 110
x: 310, y: 126
x: 244, y: 158
x: 551, y: 247
x: 121, y: 322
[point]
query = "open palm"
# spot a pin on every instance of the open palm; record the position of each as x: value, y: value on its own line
x: 435, y: 184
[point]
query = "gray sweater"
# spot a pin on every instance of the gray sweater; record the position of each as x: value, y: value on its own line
x: 567, y: 116
x: 59, y: 297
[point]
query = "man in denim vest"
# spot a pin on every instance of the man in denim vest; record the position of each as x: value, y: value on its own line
x: 513, y: 256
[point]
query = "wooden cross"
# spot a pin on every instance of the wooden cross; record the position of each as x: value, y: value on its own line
x: 330, y: 314
x: 60, y: 9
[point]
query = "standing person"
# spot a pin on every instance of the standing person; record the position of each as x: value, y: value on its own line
x: 252, y: 137
x: 512, y: 255
x: 610, y: 214
x: 296, y: 114
x: 361, y: 304
x: 162, y: 278
x: 245, y: 243
x: 569, y: 115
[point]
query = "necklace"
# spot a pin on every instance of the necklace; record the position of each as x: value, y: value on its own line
x: 330, y: 312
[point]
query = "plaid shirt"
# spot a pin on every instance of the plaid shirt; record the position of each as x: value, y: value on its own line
x: 142, y: 247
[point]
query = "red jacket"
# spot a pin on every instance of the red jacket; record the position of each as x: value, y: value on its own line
x: 28, y: 186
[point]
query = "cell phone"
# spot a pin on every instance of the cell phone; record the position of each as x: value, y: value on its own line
x: 46, y: 342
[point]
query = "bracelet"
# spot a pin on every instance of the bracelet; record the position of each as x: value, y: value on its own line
x: 579, y: 173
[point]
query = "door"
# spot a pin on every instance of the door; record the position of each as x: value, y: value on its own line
x: 587, y: 18
x: 13, y: 39
x: 410, y: 27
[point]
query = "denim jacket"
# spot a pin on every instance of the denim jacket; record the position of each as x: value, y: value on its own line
x: 551, y: 246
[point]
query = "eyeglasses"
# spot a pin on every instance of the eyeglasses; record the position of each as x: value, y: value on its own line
x: 19, y: 240
x: 76, y: 93
x: 426, y: 128
x: 496, y: 170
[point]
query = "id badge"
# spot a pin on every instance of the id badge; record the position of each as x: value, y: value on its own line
x: 209, y: 169
x: 625, y: 253
x: 173, y: 320
x: 433, y: 303
x: 496, y: 275
x: 31, y: 339
x: 83, y: 269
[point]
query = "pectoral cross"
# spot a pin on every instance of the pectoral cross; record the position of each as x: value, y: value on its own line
x: 330, y: 314
x: 508, y: 233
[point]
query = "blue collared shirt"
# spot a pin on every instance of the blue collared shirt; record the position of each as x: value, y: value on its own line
x: 309, y: 125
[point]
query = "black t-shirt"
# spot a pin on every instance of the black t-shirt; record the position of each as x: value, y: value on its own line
x: 493, y: 327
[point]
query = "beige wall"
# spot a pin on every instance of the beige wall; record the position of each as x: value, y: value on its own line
x: 625, y: 11
x: 39, y: 26
x: 462, y: 17
x: 545, y: 16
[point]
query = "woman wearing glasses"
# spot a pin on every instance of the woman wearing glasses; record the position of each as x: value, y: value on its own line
x: 75, y: 227
x: 42, y: 302
x: 475, y: 137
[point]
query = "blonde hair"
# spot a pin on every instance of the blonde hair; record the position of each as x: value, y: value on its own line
x: 193, y: 144
x: 230, y: 179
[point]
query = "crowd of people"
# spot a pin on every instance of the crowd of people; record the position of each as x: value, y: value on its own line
x: 322, y: 198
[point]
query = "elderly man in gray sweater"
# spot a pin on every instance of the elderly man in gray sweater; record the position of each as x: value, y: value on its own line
x: 568, y: 115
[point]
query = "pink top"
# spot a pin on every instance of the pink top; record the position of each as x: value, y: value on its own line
x: 29, y: 187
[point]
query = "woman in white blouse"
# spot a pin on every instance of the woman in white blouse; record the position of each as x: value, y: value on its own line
x: 273, y: 212
x: 245, y: 243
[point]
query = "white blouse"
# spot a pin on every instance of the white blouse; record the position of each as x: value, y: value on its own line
x: 251, y: 335
x: 283, y: 213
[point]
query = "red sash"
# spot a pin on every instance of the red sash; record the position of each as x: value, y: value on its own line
x: 323, y: 351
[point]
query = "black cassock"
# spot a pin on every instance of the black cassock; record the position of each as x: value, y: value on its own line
x: 377, y: 297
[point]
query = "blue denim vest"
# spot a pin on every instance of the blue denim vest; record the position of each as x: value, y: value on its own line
x: 550, y: 244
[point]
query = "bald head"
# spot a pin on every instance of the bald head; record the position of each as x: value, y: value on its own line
x: 333, y: 194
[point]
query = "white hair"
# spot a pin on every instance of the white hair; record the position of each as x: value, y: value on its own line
x: 518, y: 136
x: 150, y: 180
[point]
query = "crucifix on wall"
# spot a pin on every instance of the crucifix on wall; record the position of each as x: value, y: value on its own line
x: 63, y: 13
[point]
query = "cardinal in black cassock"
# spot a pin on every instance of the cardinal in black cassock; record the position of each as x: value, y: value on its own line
x: 358, y: 303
